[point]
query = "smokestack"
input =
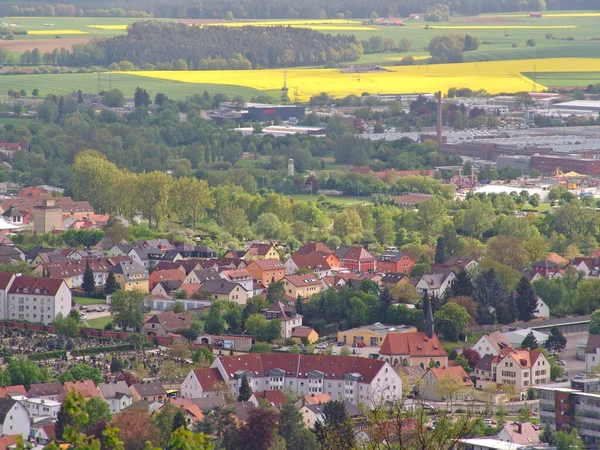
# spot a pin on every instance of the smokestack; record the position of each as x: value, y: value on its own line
x: 439, y: 118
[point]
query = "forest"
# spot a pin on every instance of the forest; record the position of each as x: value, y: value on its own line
x: 285, y: 9
x: 151, y: 44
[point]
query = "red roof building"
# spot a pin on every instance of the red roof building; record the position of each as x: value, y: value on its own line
x: 413, y: 349
x: 166, y: 275
x: 356, y: 258
x: 313, y: 247
x: 396, y: 262
x: 273, y: 398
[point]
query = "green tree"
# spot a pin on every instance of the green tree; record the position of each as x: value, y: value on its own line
x: 183, y: 439
x: 191, y: 199
x: 214, y: 322
x: 345, y: 351
x: 431, y: 216
x: 348, y: 226
x: 179, y: 421
x: 74, y: 314
x: 82, y: 372
x: 141, y: 97
x: 116, y: 365
x: 63, y: 420
x: 89, y: 282
x: 595, y: 323
x: 153, y: 194
x: 65, y: 326
x: 261, y: 347
x: 451, y: 320
x: 530, y: 342
x: 127, y: 308
x: 337, y: 432
x: 98, y: 411
x: 245, y: 390
x: 26, y: 372
x: 440, y: 251
x: 556, y: 342
x: 113, y: 98
x: 276, y: 292
x: 293, y: 431
x: 526, y: 300
x: 568, y: 441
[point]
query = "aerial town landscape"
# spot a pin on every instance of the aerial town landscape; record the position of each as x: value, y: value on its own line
x: 320, y: 225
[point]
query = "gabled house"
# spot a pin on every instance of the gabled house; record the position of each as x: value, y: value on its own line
x: 11, y: 391
x: 166, y: 275
x: 413, y: 349
x: 167, y: 322
x: 522, y: 368
x: 72, y: 271
x: 117, y: 394
x: 520, y: 433
x: 87, y: 388
x: 302, y: 286
x: 313, y: 262
x: 434, y: 379
x: 299, y: 334
x: 224, y: 290
x: 545, y: 267
x: 290, y: 319
x: 203, y: 383
x: 152, y: 392
x: 313, y: 247
x: 483, y: 370
x: 47, y: 391
x: 43, y: 434
x: 542, y: 311
x: 191, y: 411
x: 266, y: 271
x: 458, y: 263
x: 33, y: 299
x: 259, y: 251
x: 239, y: 276
x: 201, y: 275
x: 356, y: 258
x: 131, y: 275
x: 14, y: 418
x: 491, y: 344
x: 435, y: 282
x: 273, y: 398
x: 166, y: 289
x: 396, y: 262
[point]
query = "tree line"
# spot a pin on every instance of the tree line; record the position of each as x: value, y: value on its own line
x: 285, y: 9
x: 149, y: 44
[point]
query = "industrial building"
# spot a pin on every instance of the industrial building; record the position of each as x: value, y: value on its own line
x: 547, y: 164
x: 265, y: 113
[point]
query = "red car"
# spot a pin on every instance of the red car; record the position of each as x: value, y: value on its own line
x: 359, y: 344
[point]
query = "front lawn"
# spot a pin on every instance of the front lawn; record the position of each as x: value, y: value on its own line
x: 85, y: 301
x: 98, y: 323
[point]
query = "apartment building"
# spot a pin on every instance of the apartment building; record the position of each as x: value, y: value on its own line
x: 347, y: 378
x: 33, y: 299
x: 521, y: 368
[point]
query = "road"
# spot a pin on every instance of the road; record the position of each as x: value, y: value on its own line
x: 574, y: 365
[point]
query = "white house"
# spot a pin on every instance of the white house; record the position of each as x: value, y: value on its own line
x: 117, y: 395
x: 39, y: 407
x: 491, y: 344
x: 542, y: 311
x: 349, y: 378
x: 314, y: 262
x: 202, y: 383
x: 592, y: 352
x: 14, y: 418
x: 435, y: 283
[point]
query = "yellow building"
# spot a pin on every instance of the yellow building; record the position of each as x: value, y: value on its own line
x: 307, y: 333
x: 261, y: 251
x: 131, y: 276
x: 303, y: 286
x: 371, y: 335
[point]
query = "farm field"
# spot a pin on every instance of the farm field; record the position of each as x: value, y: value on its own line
x: 565, y: 79
x: 338, y: 200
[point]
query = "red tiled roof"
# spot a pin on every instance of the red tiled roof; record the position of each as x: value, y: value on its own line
x: 18, y: 389
x: 274, y: 398
x: 73, y: 267
x: 260, y: 249
x: 188, y: 406
x: 208, y: 378
x: 311, y: 261
x: 50, y: 430
x: 5, y: 278
x: 171, y: 321
x: 303, y: 280
x: 46, y: 286
x: 312, y: 247
x: 334, y: 367
x: 414, y: 344
x: 66, y: 203
x: 454, y: 372
x: 525, y: 358
x: 166, y: 275
x: 86, y: 387
x: 316, y: 399
x: 267, y: 264
x: 357, y: 254
x: 302, y: 332
x: 523, y: 433
x: 7, y: 441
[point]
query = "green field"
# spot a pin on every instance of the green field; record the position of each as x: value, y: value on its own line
x: 339, y: 200
x: 565, y: 79
x: 88, y: 301
x: 90, y: 82
x: 98, y: 323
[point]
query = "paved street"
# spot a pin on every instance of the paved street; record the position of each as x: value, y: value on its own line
x: 574, y: 365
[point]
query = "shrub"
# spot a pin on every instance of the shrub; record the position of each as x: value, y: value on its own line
x: 531, y: 43
x: 48, y: 355
x: 515, y: 45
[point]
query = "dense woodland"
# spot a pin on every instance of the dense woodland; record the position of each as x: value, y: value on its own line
x: 288, y: 9
x: 154, y: 43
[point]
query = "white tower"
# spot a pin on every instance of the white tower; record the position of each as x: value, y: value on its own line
x: 290, y: 167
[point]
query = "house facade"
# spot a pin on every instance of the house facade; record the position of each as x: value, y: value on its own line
x: 433, y: 384
x: 413, y: 349
x: 132, y: 276
x: 396, y: 262
x: 491, y: 344
x: 266, y: 271
x: 261, y: 251
x: 203, y: 383
x: 436, y: 282
x: 303, y: 286
x: 522, y: 369
x: 342, y: 377
x: 356, y: 258
x: 14, y: 418
x: 290, y: 319
x: 117, y: 394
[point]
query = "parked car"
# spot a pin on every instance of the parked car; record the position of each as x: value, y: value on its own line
x: 561, y: 362
x: 83, y: 317
x: 359, y: 344
x: 321, y: 346
x: 340, y: 344
x: 100, y: 309
x: 81, y: 307
x: 428, y: 406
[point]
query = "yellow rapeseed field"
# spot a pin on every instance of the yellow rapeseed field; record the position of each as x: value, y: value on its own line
x: 500, y: 27
x: 108, y: 27
x: 493, y: 76
x: 53, y: 32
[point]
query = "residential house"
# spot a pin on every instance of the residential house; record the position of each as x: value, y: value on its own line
x: 167, y: 289
x: 299, y: 334
x: 302, y: 286
x: 47, y: 391
x: 313, y: 262
x: 43, y: 434
x: 356, y: 258
x: 209, y: 403
x: 117, y: 394
x: 266, y: 271
x: 152, y: 392
x: 9, y: 254
x: 349, y: 378
x: 312, y: 399
x: 435, y: 282
x: 290, y: 319
x: 371, y: 335
x: 542, y: 311
x: 146, y: 256
x: 87, y: 388
x: 491, y: 344
x: 313, y: 413
x: 391, y: 279
x: 200, y: 275
x: 71, y: 271
x: 239, y: 276
x: 520, y: 433
x: 14, y: 418
x: 484, y: 369
x: 522, y: 369
x: 11, y: 391
x: 412, y: 374
x: 203, y: 383
x: 545, y: 267
x: 434, y: 381
x: 261, y: 251
x: 458, y: 263
x: 165, y: 275
x: 131, y: 275
x: 191, y: 411
x: 413, y: 349
x: 38, y: 407
x: 224, y: 290
x: 273, y: 398
x: 33, y: 299
x: 592, y: 352
x: 121, y: 249
x: 167, y: 322
x: 397, y: 262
